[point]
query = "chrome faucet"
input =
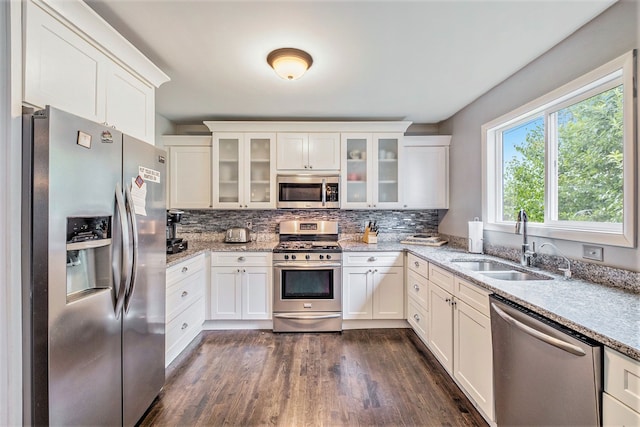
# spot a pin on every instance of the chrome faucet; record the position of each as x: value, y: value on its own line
x: 565, y: 271
x: 527, y: 254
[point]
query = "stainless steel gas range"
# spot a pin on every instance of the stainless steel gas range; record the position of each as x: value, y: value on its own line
x: 307, y: 277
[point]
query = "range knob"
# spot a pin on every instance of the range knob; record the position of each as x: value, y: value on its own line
x: 307, y: 256
x: 293, y: 257
x: 286, y: 257
x: 321, y: 256
x: 328, y: 256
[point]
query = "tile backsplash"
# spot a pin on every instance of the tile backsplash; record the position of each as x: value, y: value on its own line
x: 393, y: 224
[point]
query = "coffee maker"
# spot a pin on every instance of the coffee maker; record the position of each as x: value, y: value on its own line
x: 174, y: 244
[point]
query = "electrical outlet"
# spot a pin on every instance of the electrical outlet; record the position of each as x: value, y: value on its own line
x: 248, y: 224
x: 595, y: 253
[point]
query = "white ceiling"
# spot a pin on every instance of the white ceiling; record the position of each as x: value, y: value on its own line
x: 411, y: 60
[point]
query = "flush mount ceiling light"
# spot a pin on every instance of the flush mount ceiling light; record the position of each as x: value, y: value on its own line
x: 289, y: 63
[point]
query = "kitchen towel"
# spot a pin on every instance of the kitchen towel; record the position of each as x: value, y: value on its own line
x: 475, y: 236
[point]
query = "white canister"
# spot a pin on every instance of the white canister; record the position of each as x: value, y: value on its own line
x: 476, y: 236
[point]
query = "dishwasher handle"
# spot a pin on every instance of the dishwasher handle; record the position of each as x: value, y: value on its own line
x: 563, y: 345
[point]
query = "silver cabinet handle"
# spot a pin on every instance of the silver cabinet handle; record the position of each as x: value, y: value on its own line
x: 184, y: 294
x: 310, y: 166
x: 185, y: 269
x: 184, y: 326
x: 448, y: 300
x: 416, y: 287
x: 375, y: 271
x: 370, y: 271
x: 371, y: 259
x: 416, y: 317
x: 563, y: 345
x: 306, y: 166
x: 417, y: 264
x: 241, y: 259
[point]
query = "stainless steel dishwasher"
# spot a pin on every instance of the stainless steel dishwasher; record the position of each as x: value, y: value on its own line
x: 544, y: 373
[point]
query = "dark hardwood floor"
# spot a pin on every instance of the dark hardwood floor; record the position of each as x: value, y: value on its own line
x: 367, y: 377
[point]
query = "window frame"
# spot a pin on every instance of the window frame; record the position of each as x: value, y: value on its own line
x: 618, y: 71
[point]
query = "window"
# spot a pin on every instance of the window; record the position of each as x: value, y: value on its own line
x: 568, y: 160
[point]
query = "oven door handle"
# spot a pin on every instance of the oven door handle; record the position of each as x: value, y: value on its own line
x: 305, y: 266
x: 307, y: 316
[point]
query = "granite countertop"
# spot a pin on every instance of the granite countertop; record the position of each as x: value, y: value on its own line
x: 607, y: 314
x: 197, y: 247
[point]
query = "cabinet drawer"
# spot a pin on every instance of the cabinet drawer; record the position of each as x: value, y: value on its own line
x: 390, y: 259
x: 476, y: 297
x: 418, y: 265
x: 184, y: 269
x: 184, y: 293
x: 417, y: 318
x: 622, y: 378
x: 233, y: 259
x: 616, y: 414
x: 417, y: 288
x: 187, y: 323
x: 441, y: 277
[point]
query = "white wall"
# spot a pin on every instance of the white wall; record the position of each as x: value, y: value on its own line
x: 10, y: 157
x: 164, y: 126
x: 608, y: 36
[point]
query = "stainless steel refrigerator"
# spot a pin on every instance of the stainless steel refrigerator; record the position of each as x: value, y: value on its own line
x: 94, y: 262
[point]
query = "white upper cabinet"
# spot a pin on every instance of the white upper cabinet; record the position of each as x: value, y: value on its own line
x: 308, y: 151
x: 371, y: 170
x: 61, y: 68
x: 75, y: 61
x: 425, y: 172
x: 243, y: 175
x: 189, y: 180
x: 130, y: 104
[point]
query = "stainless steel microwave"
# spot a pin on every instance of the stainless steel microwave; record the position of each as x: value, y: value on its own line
x: 308, y: 191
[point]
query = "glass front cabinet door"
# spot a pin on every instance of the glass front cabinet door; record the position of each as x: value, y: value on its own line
x: 244, y: 177
x: 370, y: 171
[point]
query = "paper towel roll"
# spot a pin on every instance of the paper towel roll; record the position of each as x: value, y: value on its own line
x: 475, y: 236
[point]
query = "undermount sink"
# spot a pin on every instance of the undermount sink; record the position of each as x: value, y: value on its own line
x: 475, y: 265
x: 499, y: 271
x: 514, y: 275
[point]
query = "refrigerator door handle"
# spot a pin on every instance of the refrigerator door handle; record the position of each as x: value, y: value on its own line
x: 134, y: 239
x: 120, y: 276
x: 562, y: 345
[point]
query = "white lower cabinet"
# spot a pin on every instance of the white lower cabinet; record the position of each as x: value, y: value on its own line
x: 459, y: 334
x: 621, y: 397
x: 373, y: 286
x: 186, y: 283
x: 473, y: 355
x: 240, y: 286
x: 418, y: 296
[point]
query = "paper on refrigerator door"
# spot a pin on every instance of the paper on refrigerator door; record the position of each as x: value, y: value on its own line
x: 139, y: 195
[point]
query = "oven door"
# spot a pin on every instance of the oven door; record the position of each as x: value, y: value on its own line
x: 307, y: 287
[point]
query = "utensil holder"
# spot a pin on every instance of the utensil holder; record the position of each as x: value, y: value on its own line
x: 369, y: 237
